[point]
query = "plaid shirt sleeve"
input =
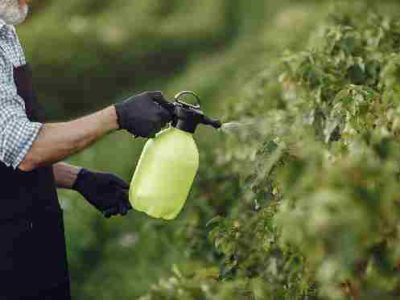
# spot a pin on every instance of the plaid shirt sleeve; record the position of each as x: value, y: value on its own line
x: 17, y: 133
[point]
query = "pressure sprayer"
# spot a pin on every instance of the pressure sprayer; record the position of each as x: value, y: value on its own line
x: 169, y: 162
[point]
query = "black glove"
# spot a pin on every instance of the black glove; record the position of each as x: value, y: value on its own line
x: 143, y: 115
x: 107, y: 192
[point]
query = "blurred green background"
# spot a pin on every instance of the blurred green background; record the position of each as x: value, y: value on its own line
x: 87, y: 54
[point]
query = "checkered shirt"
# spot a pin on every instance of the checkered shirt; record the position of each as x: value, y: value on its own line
x: 17, y: 133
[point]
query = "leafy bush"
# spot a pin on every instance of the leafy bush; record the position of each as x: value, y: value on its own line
x: 318, y: 210
x: 300, y: 201
x: 87, y: 55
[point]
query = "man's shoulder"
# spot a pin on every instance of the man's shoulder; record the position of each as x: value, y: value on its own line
x: 5, y: 63
x: 3, y: 39
x: 3, y: 55
x: 10, y: 46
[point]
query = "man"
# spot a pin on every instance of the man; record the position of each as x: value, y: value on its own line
x: 32, y: 247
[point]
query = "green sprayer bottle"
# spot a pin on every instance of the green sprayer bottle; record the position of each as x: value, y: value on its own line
x: 169, y: 162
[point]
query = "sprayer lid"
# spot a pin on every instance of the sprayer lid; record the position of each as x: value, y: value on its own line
x: 188, y: 116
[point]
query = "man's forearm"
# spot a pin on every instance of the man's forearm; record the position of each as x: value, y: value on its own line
x: 65, y: 175
x: 57, y: 141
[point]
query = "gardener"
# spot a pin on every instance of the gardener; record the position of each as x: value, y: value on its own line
x: 32, y: 247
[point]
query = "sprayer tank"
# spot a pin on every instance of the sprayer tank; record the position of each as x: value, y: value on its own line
x: 165, y: 173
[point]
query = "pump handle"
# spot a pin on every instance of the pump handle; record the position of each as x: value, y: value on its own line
x: 178, y: 96
x: 187, y: 116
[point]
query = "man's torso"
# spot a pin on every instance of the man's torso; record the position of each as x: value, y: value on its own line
x: 32, y: 252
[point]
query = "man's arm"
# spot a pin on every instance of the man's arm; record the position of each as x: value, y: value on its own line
x: 65, y: 175
x: 105, y: 191
x: 57, y: 141
x: 27, y: 145
x: 142, y: 115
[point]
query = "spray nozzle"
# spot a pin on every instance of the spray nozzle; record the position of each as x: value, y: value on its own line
x: 188, y: 116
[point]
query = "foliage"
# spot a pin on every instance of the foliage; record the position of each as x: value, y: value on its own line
x: 318, y: 216
x: 158, y: 44
x: 300, y: 201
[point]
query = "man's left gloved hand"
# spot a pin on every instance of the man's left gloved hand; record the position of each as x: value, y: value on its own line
x: 105, y: 191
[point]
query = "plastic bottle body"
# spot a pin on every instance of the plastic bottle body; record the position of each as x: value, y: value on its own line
x: 165, y: 174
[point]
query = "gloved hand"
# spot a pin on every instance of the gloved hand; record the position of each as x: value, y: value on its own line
x: 143, y: 115
x: 105, y: 191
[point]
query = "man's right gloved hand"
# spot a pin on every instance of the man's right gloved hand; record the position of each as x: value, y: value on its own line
x: 143, y: 115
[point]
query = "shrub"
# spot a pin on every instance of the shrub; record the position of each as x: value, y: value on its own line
x: 318, y: 213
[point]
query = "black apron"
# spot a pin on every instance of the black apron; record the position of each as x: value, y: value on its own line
x: 32, y: 245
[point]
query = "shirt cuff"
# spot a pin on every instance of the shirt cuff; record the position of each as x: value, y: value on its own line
x: 30, y: 135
